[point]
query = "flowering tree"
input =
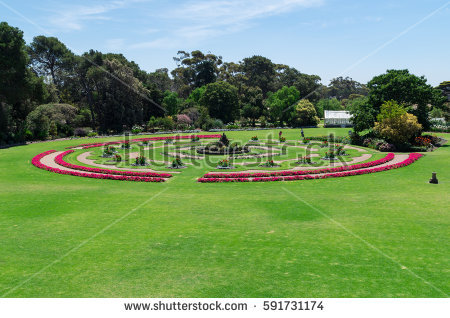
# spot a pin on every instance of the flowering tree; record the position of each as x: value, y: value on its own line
x: 183, y: 121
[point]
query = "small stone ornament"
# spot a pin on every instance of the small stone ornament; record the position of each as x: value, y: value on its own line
x: 433, y: 179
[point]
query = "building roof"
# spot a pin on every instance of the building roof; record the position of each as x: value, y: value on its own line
x: 338, y: 114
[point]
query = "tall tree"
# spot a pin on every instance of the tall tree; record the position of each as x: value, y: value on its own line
x: 171, y: 102
x: 307, y: 85
x: 50, y: 58
x: 341, y: 88
x: 260, y: 72
x: 408, y: 89
x: 222, y: 101
x: 252, y: 106
x: 281, y: 103
x: 363, y: 114
x: 118, y: 97
x: 194, y: 70
x: 20, y: 89
x: 232, y: 73
x: 327, y: 104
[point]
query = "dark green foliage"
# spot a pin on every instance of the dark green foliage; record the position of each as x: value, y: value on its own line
x: 259, y: 72
x: 20, y: 89
x: 363, y: 114
x: 304, y: 114
x: 307, y: 85
x: 51, y: 119
x: 252, y: 106
x: 50, y: 57
x: 327, y: 104
x: 342, y: 88
x: 405, y: 88
x: 281, y: 104
x: 222, y: 101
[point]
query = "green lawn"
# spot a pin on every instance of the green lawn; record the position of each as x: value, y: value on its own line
x: 379, y: 235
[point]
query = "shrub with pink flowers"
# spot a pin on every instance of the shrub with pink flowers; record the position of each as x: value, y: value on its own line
x: 411, y: 158
x: 387, y: 158
x: 60, y: 161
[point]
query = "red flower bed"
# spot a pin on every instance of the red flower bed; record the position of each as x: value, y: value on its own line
x: 36, y: 161
x: 411, y: 158
x: 60, y: 160
x: 99, y: 144
x: 378, y: 162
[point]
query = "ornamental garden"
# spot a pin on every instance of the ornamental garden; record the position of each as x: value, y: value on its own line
x: 248, y: 213
x: 259, y: 159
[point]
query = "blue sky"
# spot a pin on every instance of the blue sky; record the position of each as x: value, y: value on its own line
x: 329, y: 38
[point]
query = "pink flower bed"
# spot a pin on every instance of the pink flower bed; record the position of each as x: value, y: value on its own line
x: 389, y: 157
x: 60, y: 160
x: 411, y: 158
x: 36, y: 161
x: 93, y: 145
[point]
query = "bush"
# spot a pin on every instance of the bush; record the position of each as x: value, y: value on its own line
x: 232, y: 126
x: 141, y: 161
x: 395, y: 124
x: 166, y: 123
x: 217, y: 124
x: 304, y: 114
x: 137, y: 129
x: 177, y: 163
x: 386, y: 147
x: 80, y: 132
x: 224, y: 163
x: 45, y: 119
x: 92, y: 134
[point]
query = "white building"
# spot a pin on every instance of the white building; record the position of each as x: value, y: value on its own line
x: 337, y: 118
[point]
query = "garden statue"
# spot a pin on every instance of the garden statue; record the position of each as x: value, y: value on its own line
x: 434, y: 179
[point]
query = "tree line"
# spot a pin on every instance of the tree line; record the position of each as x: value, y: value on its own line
x: 47, y: 91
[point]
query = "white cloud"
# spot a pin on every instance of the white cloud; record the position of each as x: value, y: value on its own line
x: 199, y: 20
x: 223, y: 12
x: 74, y: 17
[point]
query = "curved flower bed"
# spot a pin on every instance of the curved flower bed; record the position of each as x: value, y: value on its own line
x: 411, y: 158
x: 99, y: 144
x: 36, y: 161
x: 387, y: 158
x: 60, y: 160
